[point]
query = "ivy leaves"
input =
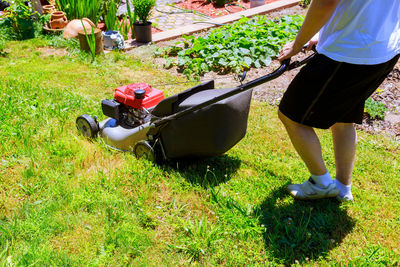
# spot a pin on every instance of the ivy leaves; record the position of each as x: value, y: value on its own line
x: 234, y: 47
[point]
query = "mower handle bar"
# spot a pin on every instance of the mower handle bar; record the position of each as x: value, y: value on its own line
x: 285, y: 65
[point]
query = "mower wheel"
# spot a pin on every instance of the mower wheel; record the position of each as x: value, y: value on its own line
x: 87, y: 126
x: 144, y: 150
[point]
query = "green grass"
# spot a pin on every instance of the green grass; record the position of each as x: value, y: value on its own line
x: 67, y: 201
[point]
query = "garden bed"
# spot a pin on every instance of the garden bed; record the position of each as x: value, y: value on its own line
x: 213, y: 10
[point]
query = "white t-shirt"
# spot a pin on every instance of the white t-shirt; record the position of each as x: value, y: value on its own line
x: 362, y: 32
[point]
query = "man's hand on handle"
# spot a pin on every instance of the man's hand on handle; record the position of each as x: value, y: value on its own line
x: 291, y: 49
x: 288, y: 51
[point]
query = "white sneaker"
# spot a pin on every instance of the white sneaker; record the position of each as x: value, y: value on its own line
x: 345, y: 198
x: 310, y: 190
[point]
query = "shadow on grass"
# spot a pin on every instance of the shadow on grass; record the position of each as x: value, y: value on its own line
x: 302, y: 230
x: 209, y: 172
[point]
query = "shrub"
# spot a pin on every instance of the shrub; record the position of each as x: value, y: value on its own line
x: 20, y: 16
x: 143, y: 9
x: 375, y: 109
x: 6, y: 29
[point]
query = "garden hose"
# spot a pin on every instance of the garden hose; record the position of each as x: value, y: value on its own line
x: 208, y: 22
x: 190, y: 11
x: 173, y: 12
x: 233, y: 4
x: 196, y: 12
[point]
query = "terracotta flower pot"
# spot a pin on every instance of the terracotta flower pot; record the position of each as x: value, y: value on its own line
x: 75, y: 26
x: 48, y: 9
x: 58, y: 20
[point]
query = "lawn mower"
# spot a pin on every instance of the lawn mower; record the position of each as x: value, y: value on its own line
x: 199, y: 122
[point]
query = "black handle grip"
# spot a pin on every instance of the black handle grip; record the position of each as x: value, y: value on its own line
x: 284, y: 66
x: 286, y: 62
x: 313, y: 48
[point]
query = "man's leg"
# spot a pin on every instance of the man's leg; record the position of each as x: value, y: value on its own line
x: 344, y: 143
x: 306, y: 143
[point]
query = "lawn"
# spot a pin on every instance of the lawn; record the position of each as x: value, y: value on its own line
x: 65, y: 200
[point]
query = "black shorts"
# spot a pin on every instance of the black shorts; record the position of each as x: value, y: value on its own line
x: 325, y: 91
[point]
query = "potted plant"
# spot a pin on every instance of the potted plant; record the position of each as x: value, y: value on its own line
x: 141, y: 26
x: 21, y: 18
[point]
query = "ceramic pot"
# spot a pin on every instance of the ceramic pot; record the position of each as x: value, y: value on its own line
x: 113, y: 40
x: 142, y: 32
x: 75, y: 26
x: 48, y: 9
x: 84, y: 42
x: 58, y: 20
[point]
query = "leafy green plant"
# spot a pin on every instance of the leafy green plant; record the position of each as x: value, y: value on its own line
x: 91, y: 39
x: 200, y: 237
x: 110, y: 17
x: 78, y: 9
x: 235, y: 47
x: 143, y: 9
x: 123, y: 27
x: 113, y: 23
x: 44, y: 18
x: 375, y: 109
x: 21, y: 17
x: 132, y: 17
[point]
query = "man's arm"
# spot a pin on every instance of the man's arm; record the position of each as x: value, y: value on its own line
x: 318, y: 14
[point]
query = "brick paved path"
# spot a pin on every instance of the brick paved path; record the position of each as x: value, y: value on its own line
x: 164, y: 21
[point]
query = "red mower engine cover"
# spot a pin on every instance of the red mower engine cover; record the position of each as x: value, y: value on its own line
x: 126, y: 95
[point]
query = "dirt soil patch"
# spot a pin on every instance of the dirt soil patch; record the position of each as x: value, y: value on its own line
x: 272, y: 92
x: 49, y: 51
x: 213, y: 10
